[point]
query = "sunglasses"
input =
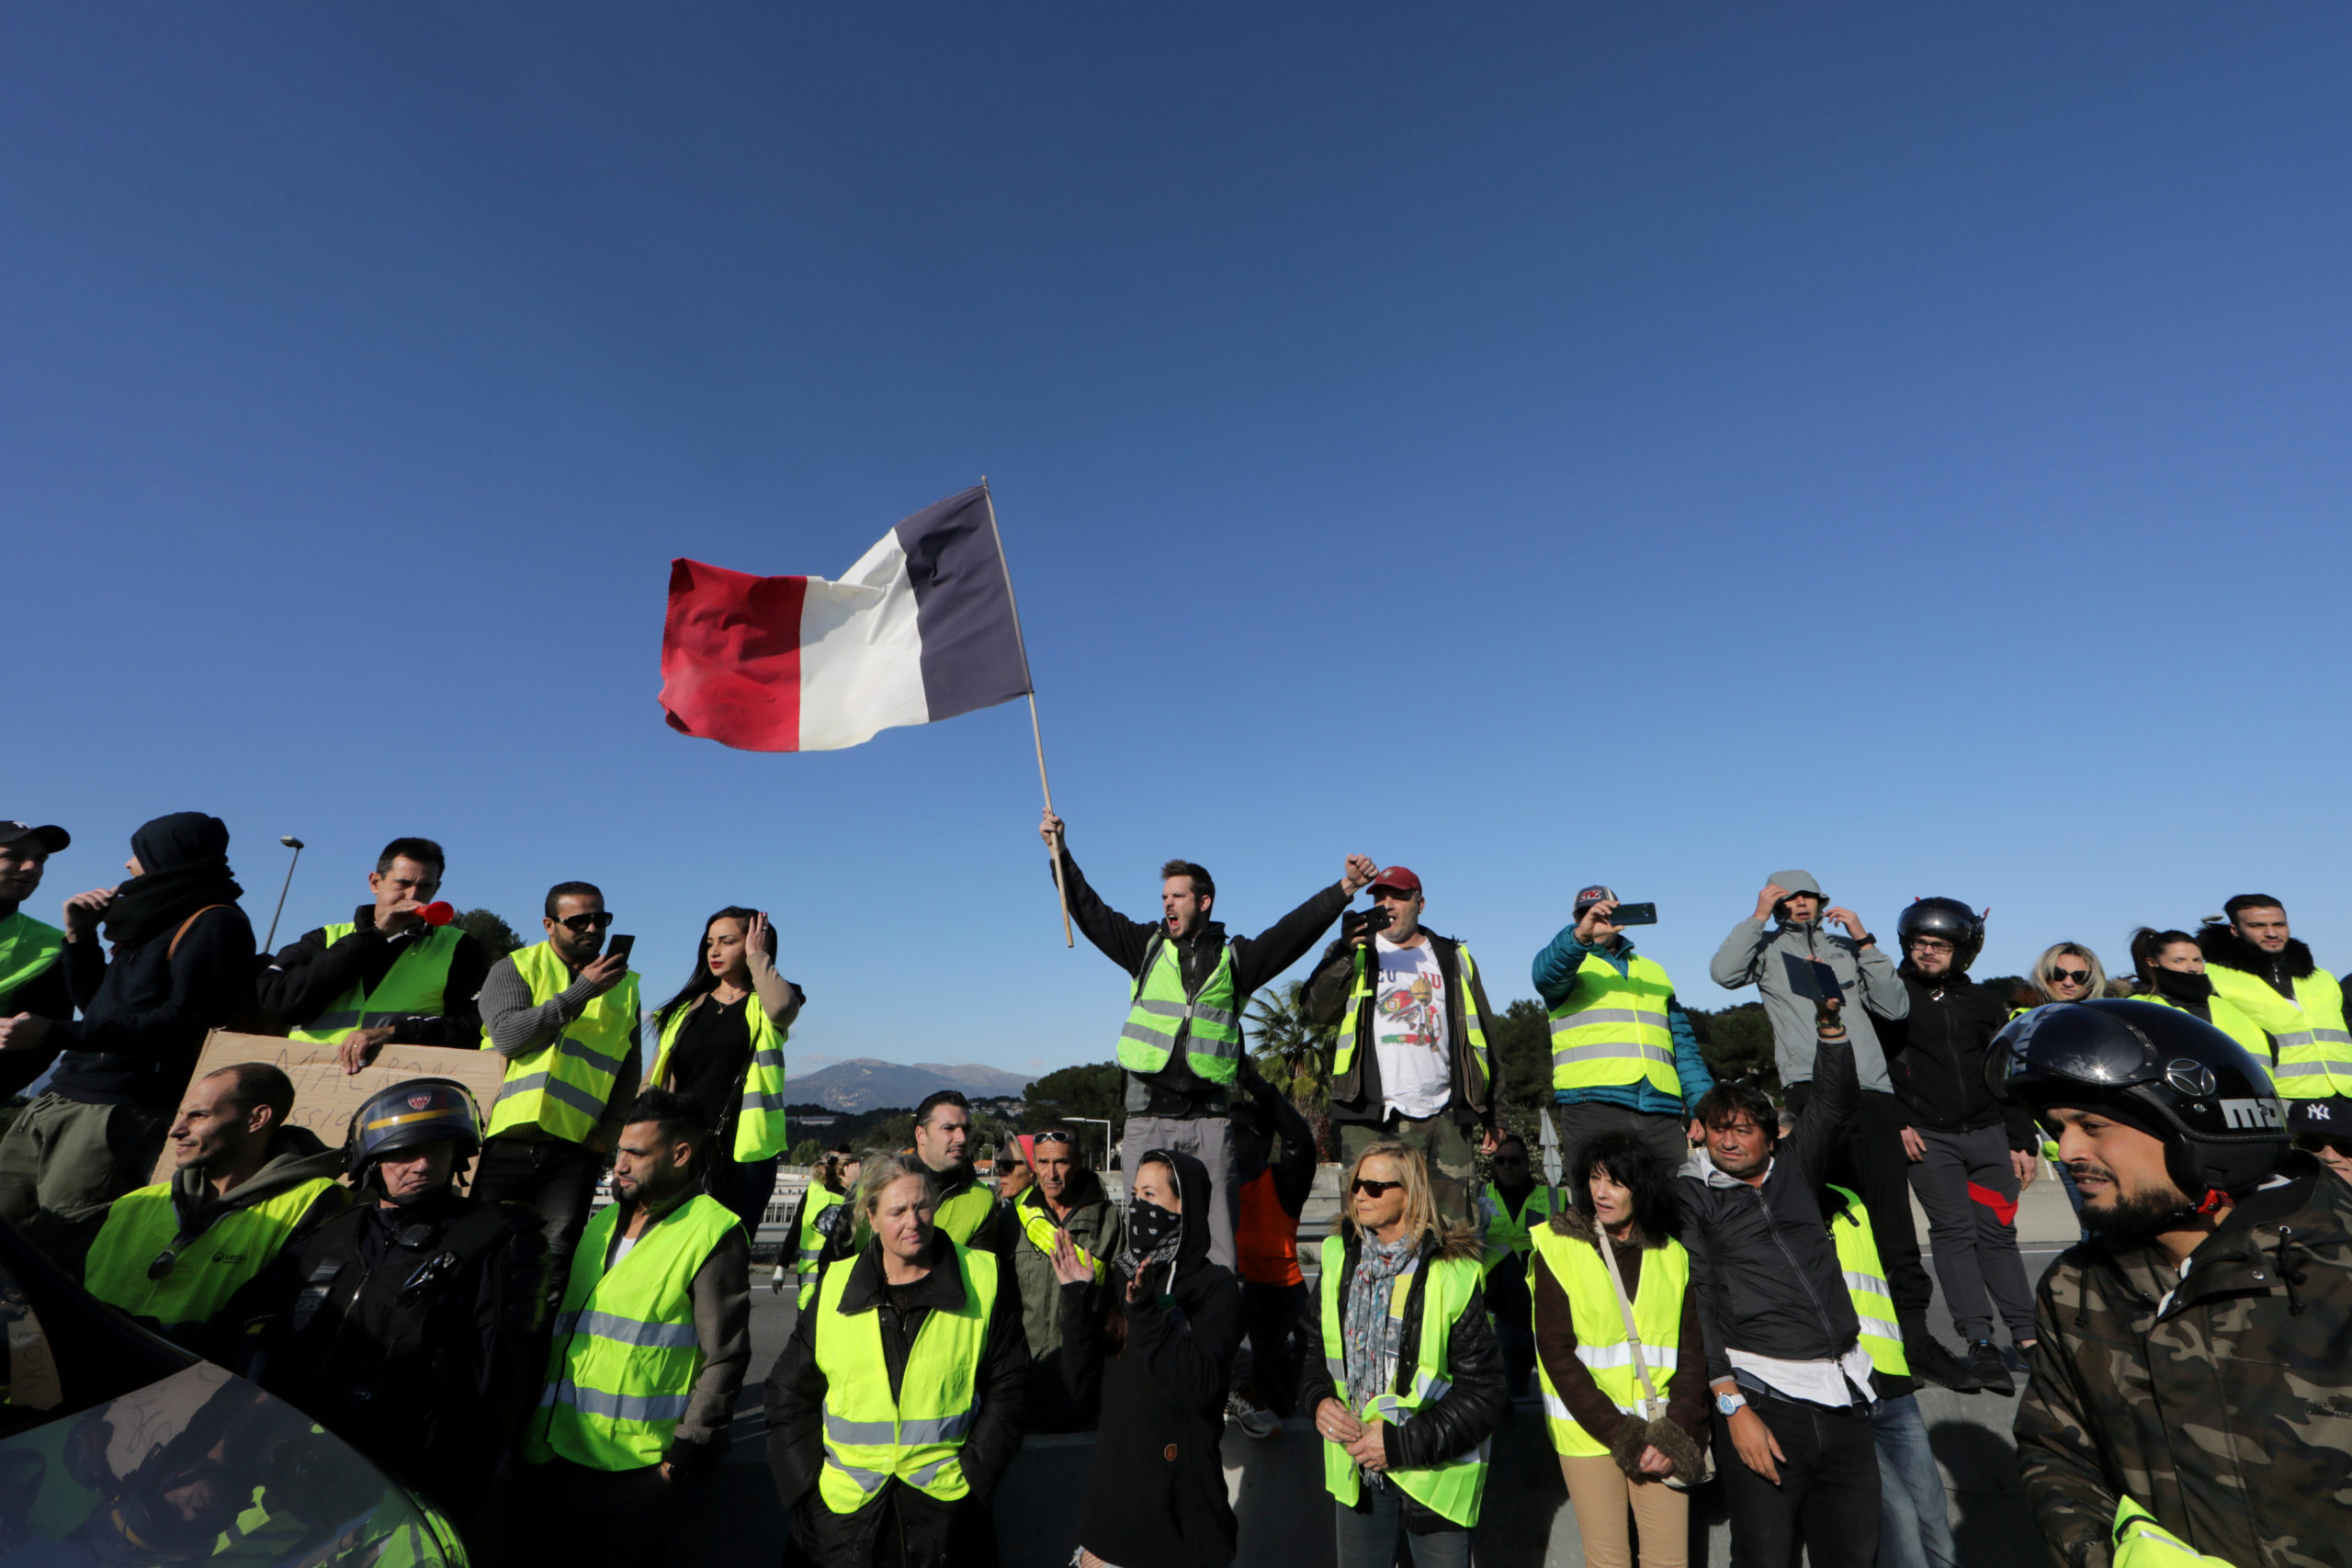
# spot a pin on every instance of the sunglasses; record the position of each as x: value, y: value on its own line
x: 1052, y: 1138
x: 2076, y: 977
x: 2320, y: 1143
x: 1372, y: 1189
x: 584, y: 924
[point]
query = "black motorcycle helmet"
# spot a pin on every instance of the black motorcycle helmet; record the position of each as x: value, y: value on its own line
x: 1947, y: 918
x: 2213, y: 1105
x: 414, y: 1111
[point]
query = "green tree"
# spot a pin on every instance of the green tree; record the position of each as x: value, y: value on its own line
x: 1737, y: 1043
x: 490, y: 931
x: 808, y: 1151
x: 1293, y: 1055
x: 1098, y: 1090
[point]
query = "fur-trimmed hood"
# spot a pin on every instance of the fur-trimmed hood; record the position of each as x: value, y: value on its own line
x: 2222, y: 945
x: 1458, y: 1243
x: 1577, y: 1225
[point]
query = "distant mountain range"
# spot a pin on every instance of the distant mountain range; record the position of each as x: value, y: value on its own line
x: 863, y: 1084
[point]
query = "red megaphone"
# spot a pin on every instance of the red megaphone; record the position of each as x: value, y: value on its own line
x: 438, y: 914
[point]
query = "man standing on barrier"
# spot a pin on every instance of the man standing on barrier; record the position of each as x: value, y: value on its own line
x: 417, y: 1337
x: 1411, y: 1064
x: 1182, y: 1044
x: 2189, y: 1386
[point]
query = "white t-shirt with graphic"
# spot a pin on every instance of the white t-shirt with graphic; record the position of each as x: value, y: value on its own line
x: 1408, y: 1030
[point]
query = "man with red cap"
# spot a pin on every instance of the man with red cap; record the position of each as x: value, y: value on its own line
x: 1412, y: 1062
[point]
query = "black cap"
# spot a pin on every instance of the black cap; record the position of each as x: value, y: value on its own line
x: 50, y: 838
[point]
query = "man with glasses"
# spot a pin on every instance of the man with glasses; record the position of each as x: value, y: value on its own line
x: 385, y: 977
x: 2324, y: 1128
x: 566, y: 1021
x: 1970, y: 1154
x: 211, y: 1258
x: 1411, y: 1064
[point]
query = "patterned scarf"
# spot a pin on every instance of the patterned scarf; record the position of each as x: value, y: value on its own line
x: 1369, y: 1334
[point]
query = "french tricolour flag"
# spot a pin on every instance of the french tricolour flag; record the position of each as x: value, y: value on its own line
x: 920, y: 628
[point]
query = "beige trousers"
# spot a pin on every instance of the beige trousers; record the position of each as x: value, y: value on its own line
x: 1602, y: 1495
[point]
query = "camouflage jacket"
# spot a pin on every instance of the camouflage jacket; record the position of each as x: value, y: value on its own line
x: 2226, y: 1411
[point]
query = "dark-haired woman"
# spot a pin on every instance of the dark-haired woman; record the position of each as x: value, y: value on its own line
x: 1163, y: 1345
x: 722, y: 1048
x: 1617, y: 1458
x: 2172, y: 973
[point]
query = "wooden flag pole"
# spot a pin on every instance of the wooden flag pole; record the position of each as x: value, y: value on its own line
x: 1036, y: 733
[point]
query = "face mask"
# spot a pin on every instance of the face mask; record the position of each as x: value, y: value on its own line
x: 1149, y: 1226
x: 2184, y: 988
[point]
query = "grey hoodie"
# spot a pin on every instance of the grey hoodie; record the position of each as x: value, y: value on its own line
x: 1778, y: 961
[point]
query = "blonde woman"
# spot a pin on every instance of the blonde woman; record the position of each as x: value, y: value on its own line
x: 2066, y: 973
x: 1402, y: 1372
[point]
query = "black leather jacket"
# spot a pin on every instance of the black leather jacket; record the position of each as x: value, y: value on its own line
x: 1464, y: 1417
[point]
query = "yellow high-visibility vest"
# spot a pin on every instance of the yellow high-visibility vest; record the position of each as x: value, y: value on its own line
x: 1601, y: 1345
x: 414, y: 983
x: 1612, y: 1030
x: 917, y: 1437
x: 564, y: 1086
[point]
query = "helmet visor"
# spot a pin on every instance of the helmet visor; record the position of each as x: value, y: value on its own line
x: 2069, y: 1044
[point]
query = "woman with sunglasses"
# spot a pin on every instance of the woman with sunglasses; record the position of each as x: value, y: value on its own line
x: 2066, y: 973
x: 722, y: 1050
x: 1401, y: 1369
x: 1616, y: 1459
x: 2171, y: 968
x: 1159, y: 1347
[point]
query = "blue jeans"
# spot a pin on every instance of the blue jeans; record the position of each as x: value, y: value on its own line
x: 1914, y: 1527
x: 1368, y: 1540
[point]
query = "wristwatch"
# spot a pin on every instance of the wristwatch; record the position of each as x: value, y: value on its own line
x: 1730, y: 1404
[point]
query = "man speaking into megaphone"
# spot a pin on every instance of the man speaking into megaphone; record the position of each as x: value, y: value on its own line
x: 397, y: 973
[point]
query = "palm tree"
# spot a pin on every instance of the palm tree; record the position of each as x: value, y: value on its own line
x: 1293, y: 1055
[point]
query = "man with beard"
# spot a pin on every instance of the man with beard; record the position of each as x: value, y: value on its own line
x: 415, y: 1336
x: 1964, y: 1145
x: 2255, y: 962
x: 968, y: 1211
x: 2189, y: 1384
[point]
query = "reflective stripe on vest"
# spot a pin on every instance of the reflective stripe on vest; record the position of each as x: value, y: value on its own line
x: 2314, y: 1049
x: 1850, y: 1230
x: 1602, y: 1345
x: 207, y: 1268
x: 28, y: 949
x: 2141, y: 1543
x: 1039, y: 1227
x: 1453, y: 1488
x: 563, y: 1085
x: 919, y: 1436
x: 813, y: 1240
x: 1360, y: 1002
x: 1209, y: 1024
x: 758, y: 1115
x: 414, y: 983
x: 1611, y: 1030
x: 623, y: 1365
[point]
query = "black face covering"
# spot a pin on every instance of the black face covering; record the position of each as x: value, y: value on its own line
x: 1149, y: 1226
x: 2183, y: 988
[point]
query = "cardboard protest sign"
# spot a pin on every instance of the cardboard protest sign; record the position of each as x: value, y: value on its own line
x: 324, y: 1095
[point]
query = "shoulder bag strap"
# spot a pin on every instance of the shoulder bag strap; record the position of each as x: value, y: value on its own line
x: 173, y: 950
x: 1653, y: 1406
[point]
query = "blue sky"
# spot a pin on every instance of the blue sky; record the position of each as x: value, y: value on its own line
x: 1655, y: 444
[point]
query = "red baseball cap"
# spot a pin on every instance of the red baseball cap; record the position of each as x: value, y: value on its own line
x: 1399, y: 877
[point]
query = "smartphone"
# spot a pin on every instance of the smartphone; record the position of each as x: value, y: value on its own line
x: 620, y: 944
x: 1634, y: 915
x: 1825, y: 979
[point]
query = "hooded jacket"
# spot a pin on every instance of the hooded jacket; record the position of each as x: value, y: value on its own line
x: 1356, y: 1095
x: 1778, y: 961
x: 1458, y: 1420
x: 1936, y: 1053
x: 182, y: 966
x: 2220, y: 1400
x: 295, y: 1156
x: 1175, y: 1090
x: 1157, y: 1496
x: 1050, y: 1309
x: 795, y: 1411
